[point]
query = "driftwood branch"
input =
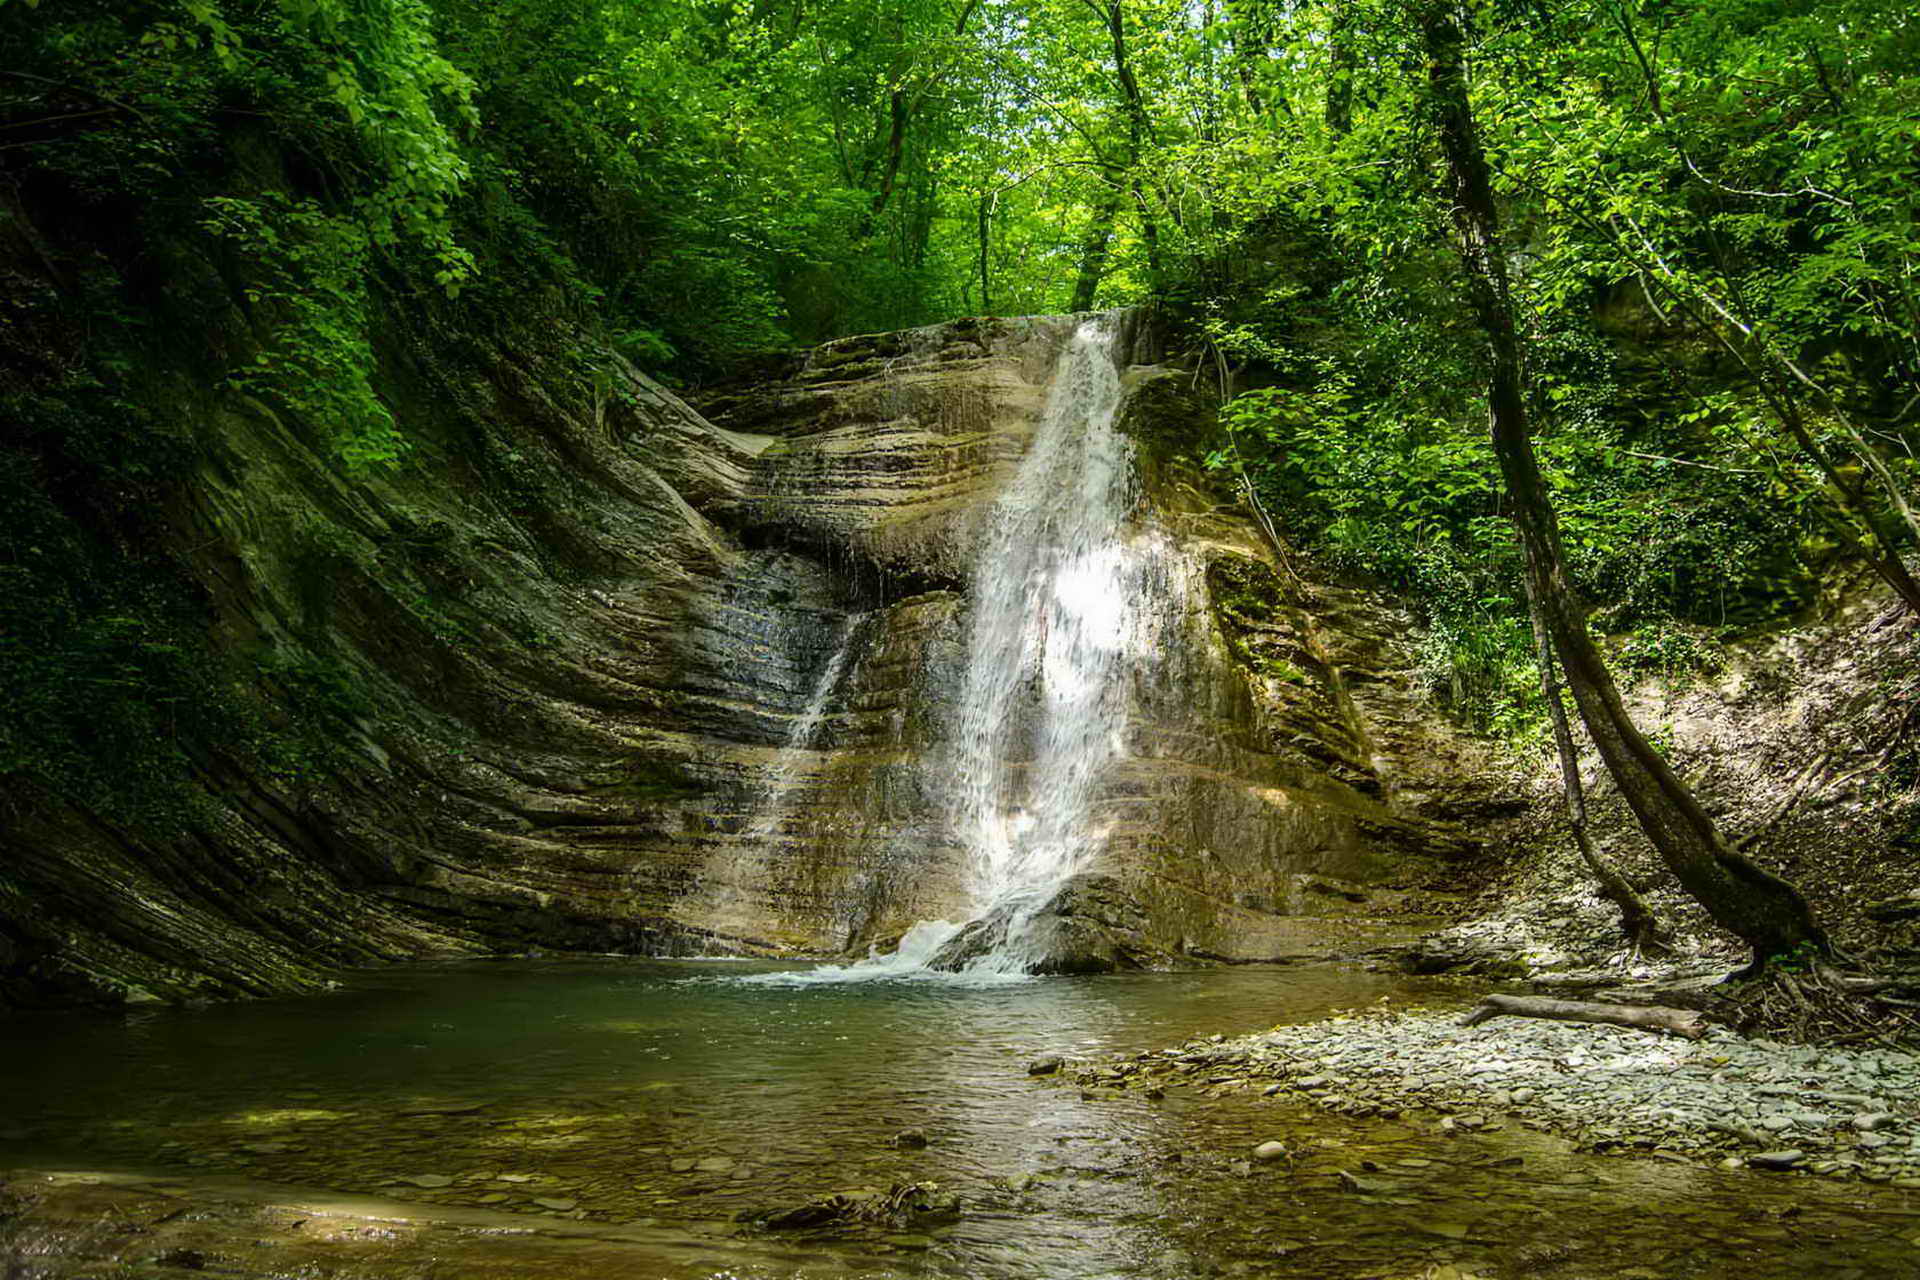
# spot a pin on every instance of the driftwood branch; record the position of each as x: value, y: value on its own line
x: 1681, y: 1022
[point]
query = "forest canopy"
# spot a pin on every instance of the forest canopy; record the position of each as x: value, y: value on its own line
x: 1709, y: 207
x: 727, y: 176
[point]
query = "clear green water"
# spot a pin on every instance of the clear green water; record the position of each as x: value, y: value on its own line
x: 625, y: 1092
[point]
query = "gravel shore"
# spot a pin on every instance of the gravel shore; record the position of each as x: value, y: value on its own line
x: 1832, y: 1111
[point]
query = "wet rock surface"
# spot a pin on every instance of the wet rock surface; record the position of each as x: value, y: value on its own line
x: 1089, y: 925
x: 580, y: 703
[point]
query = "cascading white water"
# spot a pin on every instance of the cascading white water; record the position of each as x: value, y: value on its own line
x: 799, y: 748
x: 1055, y: 622
x: 1072, y: 598
x: 723, y: 879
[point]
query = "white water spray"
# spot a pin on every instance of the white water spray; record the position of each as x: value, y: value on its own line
x: 1070, y: 599
x: 1057, y: 625
x: 772, y: 809
x: 724, y: 879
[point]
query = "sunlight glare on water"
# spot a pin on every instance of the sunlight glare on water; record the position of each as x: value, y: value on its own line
x: 637, y: 1095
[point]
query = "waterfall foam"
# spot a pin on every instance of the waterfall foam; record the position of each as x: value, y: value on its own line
x: 909, y: 959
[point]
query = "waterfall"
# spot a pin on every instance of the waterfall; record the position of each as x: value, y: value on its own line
x: 1073, y: 601
x: 772, y: 809
x: 1054, y: 632
x: 722, y: 880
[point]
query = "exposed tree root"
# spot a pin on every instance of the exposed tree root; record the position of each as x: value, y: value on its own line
x: 1823, y: 1005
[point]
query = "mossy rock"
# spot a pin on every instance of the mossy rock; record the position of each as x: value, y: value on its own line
x: 644, y: 781
x: 1249, y: 609
x: 1167, y: 417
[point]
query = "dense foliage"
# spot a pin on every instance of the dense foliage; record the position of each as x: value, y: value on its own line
x: 1711, y: 208
x: 1712, y: 204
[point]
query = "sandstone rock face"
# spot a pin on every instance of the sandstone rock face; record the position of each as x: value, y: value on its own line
x: 688, y: 688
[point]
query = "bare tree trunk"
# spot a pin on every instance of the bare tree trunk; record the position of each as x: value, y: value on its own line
x: 1637, y: 919
x: 896, y: 146
x: 1149, y: 236
x: 986, y: 239
x: 902, y: 100
x: 1761, y: 909
x: 1139, y: 129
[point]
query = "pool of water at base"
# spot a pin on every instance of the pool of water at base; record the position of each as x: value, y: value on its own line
x: 629, y: 1095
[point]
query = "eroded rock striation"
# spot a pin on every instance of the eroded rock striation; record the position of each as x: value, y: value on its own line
x: 632, y: 674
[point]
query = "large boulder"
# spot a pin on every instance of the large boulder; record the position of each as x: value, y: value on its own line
x: 1089, y: 925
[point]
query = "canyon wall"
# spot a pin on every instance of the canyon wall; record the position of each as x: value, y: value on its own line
x: 583, y: 623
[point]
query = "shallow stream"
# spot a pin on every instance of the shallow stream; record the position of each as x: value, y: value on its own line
x: 700, y: 1096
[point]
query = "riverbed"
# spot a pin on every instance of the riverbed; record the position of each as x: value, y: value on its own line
x: 662, y: 1112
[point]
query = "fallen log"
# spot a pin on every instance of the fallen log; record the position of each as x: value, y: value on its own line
x: 1645, y: 1017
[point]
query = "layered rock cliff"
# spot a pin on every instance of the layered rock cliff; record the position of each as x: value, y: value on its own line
x: 572, y: 640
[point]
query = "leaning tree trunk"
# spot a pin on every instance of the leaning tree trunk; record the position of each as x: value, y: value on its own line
x: 1637, y: 920
x: 1761, y: 909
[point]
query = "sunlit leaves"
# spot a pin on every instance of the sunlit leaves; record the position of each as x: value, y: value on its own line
x: 309, y: 308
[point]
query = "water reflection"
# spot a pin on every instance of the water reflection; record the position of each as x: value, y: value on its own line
x: 624, y: 1094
